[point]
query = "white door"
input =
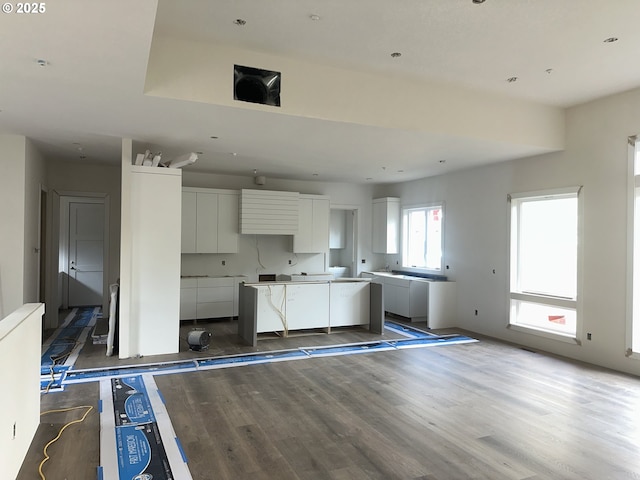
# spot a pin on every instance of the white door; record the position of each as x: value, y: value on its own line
x: 86, y: 253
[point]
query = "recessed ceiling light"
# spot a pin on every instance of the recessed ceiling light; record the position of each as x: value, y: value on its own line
x: 234, y: 154
x: 442, y: 161
x: 369, y: 178
x: 314, y: 17
x: 512, y: 79
x: 400, y: 171
x: 200, y: 153
x: 396, y: 55
x: 477, y: 2
x: 549, y: 70
x: 240, y: 22
x: 213, y: 137
x: 315, y: 174
x: 42, y: 63
x: 610, y: 39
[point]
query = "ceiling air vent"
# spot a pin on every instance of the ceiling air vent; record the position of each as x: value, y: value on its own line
x: 256, y: 85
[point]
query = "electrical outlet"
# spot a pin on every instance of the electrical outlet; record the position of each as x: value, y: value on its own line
x: 14, y: 431
x: 224, y: 262
x: 476, y: 313
x: 289, y: 262
x: 364, y: 261
x: 589, y: 336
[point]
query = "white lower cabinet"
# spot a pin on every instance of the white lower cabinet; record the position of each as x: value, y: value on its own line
x: 418, y: 299
x: 350, y: 304
x: 208, y: 297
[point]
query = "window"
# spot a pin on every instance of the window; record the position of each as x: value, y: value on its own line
x: 422, y: 237
x: 544, y: 261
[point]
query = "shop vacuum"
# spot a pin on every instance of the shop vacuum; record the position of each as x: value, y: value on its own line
x: 198, y: 340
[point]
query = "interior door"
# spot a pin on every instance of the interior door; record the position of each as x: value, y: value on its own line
x: 86, y: 253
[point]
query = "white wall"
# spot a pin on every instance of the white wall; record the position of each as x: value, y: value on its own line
x: 12, y: 219
x: 276, y: 250
x: 476, y: 236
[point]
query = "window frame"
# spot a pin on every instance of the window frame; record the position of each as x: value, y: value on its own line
x: 403, y: 213
x: 541, y: 298
x: 633, y: 253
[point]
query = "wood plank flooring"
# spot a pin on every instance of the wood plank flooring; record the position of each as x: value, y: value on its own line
x: 483, y: 410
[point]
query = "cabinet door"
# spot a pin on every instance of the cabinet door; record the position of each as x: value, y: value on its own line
x: 188, y: 240
x: 228, y: 223
x: 207, y: 223
x: 320, y: 234
x: 386, y: 225
x: 187, y: 303
x: 303, y: 240
x: 379, y: 244
x: 349, y: 303
x: 307, y: 305
x: 403, y: 301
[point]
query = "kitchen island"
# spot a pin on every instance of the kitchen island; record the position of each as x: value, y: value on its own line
x: 292, y: 306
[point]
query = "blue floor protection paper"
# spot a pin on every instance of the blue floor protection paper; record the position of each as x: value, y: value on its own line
x: 415, y: 338
x: 134, y: 428
x: 61, y: 351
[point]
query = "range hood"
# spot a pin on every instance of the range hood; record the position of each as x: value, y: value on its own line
x: 267, y: 212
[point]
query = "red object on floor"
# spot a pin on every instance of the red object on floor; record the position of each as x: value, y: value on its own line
x: 557, y: 319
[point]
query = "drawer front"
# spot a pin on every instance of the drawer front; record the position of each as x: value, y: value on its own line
x: 400, y: 282
x: 215, y: 294
x: 216, y: 282
x: 214, y: 310
x: 188, y: 282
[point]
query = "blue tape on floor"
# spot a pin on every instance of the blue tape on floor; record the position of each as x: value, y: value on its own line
x: 184, y: 456
x: 100, y: 473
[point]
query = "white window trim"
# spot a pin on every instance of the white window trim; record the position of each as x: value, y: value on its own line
x: 551, y: 300
x: 632, y: 183
x: 402, y: 239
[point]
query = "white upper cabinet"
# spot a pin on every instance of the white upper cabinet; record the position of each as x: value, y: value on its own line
x: 228, y: 212
x: 209, y: 221
x: 188, y: 222
x: 206, y: 222
x: 386, y: 225
x: 313, y: 225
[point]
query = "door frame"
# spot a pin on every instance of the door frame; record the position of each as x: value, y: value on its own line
x: 355, y: 224
x: 65, y: 199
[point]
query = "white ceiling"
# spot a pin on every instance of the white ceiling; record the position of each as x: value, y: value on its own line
x: 90, y: 94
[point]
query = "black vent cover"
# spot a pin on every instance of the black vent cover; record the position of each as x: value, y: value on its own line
x: 256, y: 85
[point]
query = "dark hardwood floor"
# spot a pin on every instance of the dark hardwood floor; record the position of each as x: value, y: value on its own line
x: 484, y: 410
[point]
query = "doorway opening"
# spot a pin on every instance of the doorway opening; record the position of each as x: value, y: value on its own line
x: 343, y: 251
x: 83, y: 251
